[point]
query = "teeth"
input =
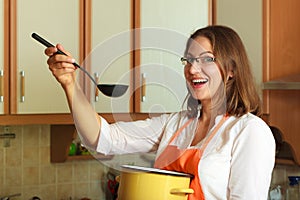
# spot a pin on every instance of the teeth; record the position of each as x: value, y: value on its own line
x: 199, y: 80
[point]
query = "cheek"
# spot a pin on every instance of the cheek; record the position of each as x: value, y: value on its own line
x: 214, y: 72
x: 186, y: 72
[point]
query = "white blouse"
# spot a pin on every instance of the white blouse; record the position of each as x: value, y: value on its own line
x: 236, y: 164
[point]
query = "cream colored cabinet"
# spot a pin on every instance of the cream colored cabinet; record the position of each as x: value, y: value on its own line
x: 109, y: 55
x: 119, y: 53
x: 148, y: 58
x: 245, y: 17
x: 36, y: 90
x: 2, y: 57
x: 165, y: 28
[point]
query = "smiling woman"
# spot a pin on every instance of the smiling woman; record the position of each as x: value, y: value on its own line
x: 215, y: 139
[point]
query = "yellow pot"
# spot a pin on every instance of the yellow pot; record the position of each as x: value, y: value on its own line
x: 140, y: 185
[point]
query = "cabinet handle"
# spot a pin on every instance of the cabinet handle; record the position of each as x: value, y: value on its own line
x: 96, y: 75
x: 143, y: 87
x: 22, y: 86
x: 1, y: 85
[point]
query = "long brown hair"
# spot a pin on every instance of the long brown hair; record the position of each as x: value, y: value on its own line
x: 240, y: 91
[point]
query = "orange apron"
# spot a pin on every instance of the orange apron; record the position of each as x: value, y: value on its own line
x: 186, y: 160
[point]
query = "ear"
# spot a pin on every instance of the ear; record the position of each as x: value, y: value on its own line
x: 230, y: 74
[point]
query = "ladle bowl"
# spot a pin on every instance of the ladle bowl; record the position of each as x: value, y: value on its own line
x: 111, y: 90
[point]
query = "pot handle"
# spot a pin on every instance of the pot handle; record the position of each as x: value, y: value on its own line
x: 181, y: 191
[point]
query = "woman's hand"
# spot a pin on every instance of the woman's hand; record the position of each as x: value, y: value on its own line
x: 61, y: 66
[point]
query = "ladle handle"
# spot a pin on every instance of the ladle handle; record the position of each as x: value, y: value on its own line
x: 48, y: 44
x: 45, y: 42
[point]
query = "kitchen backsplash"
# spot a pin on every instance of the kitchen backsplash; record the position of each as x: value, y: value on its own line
x: 25, y: 168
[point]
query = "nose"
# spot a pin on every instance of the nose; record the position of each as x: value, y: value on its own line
x: 194, y: 68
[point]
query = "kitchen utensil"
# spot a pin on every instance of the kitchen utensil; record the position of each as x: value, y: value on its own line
x: 149, y: 183
x: 111, y: 90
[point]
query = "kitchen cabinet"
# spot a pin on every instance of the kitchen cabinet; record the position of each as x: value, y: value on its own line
x: 35, y: 91
x: 83, y: 30
x: 121, y: 54
x: 161, y: 41
x: 245, y: 17
x: 270, y: 30
x: 281, y: 73
x: 4, y: 70
x: 29, y: 92
x: 109, y: 54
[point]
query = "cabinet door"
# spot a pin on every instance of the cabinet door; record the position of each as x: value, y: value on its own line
x: 249, y: 19
x: 281, y: 60
x: 1, y: 57
x: 165, y: 28
x: 4, y: 57
x: 58, y: 22
x: 110, y: 54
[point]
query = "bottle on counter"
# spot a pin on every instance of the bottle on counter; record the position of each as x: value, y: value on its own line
x: 292, y: 191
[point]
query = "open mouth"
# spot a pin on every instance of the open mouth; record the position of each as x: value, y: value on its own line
x: 198, y: 82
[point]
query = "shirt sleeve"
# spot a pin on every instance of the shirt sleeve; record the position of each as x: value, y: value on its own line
x: 253, y: 158
x: 131, y: 137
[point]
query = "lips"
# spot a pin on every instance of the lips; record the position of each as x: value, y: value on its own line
x: 199, y: 82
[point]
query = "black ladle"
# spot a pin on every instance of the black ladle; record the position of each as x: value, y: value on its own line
x: 111, y: 90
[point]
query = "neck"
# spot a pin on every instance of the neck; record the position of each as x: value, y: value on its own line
x: 209, y: 114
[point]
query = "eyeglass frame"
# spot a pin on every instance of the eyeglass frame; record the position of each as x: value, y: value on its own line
x: 201, y: 59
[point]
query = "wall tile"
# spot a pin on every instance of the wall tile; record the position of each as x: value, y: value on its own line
x: 31, y: 136
x: 81, y: 190
x: 44, y: 155
x: 13, y: 176
x: 13, y: 156
x: 48, y: 174
x: 31, y: 156
x: 65, y: 173
x: 1, y: 169
x: 30, y: 191
x: 81, y: 172
x: 64, y: 191
x: 47, y: 192
x: 44, y: 136
x: 31, y: 175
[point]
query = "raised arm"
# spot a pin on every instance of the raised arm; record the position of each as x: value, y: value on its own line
x: 87, y: 121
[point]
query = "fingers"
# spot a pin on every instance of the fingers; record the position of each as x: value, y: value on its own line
x: 59, y: 64
x: 57, y: 58
x: 51, y: 51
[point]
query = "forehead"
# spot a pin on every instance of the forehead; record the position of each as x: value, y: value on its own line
x: 199, y: 45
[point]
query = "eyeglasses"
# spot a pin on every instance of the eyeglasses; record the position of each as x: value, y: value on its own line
x: 201, y: 60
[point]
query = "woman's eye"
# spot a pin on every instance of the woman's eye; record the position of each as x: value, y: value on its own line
x: 208, y: 59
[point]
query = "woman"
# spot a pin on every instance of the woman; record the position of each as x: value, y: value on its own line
x: 220, y: 138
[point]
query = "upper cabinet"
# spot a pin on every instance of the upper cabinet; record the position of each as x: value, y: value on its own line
x: 3, y: 57
x: 36, y: 91
x: 270, y: 30
x: 109, y: 52
x: 245, y: 17
x: 140, y: 45
x: 281, y: 73
x: 117, y: 42
x: 165, y: 27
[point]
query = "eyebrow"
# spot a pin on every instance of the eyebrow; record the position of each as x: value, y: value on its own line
x: 204, y: 52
